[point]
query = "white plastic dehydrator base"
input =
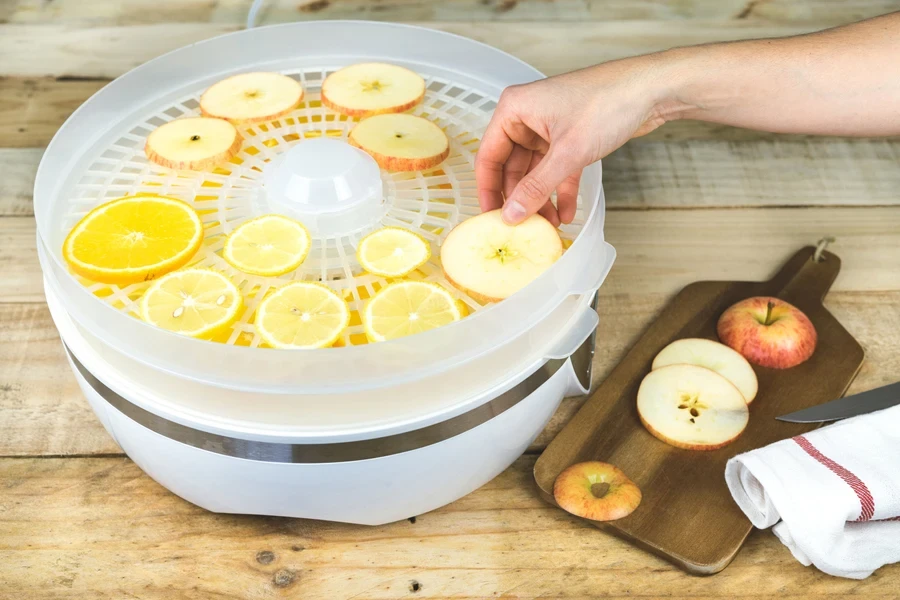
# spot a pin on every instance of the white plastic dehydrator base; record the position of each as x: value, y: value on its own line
x: 367, y: 492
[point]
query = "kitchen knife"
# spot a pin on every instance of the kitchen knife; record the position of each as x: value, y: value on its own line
x: 849, y: 406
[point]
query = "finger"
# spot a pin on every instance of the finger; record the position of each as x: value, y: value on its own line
x: 523, y: 135
x: 517, y: 165
x: 548, y: 211
x: 534, y: 190
x: 495, y: 149
x: 567, y: 197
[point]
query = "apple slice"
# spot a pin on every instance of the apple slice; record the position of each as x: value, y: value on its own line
x: 401, y: 142
x: 597, y: 491
x: 192, y: 143
x: 370, y: 89
x: 712, y: 355
x: 691, y: 407
x: 251, y: 97
x: 768, y: 332
x: 490, y: 260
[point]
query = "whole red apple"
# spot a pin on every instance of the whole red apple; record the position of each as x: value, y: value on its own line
x: 769, y: 332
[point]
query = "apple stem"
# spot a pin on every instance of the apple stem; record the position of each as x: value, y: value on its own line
x: 769, y: 313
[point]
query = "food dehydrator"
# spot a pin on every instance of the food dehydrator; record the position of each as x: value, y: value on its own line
x: 361, y: 433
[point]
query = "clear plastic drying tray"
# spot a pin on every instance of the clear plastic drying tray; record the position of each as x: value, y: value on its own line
x: 98, y: 155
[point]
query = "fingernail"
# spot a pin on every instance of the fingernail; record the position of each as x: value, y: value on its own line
x: 513, y: 212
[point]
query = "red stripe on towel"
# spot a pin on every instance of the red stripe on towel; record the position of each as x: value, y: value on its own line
x: 866, y: 501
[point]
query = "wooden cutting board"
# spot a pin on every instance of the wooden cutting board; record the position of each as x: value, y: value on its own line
x: 687, y: 514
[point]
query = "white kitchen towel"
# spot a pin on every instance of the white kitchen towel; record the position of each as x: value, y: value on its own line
x: 833, y: 495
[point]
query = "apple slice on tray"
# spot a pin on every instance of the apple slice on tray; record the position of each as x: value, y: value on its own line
x: 193, y: 143
x: 370, y: 89
x: 691, y: 407
x: 401, y: 142
x: 490, y: 260
x: 768, y: 332
x: 712, y: 355
x: 251, y: 97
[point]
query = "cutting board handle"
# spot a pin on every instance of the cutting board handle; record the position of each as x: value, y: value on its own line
x: 805, y: 281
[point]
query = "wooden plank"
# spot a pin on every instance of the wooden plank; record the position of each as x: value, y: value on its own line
x: 279, y: 11
x: 42, y: 411
x: 19, y: 268
x: 107, y: 52
x: 99, y: 528
x: 33, y: 108
x: 17, y: 171
x: 659, y: 251
x: 692, y: 174
x: 686, y: 174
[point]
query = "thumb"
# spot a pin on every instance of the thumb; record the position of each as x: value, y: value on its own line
x: 534, y: 190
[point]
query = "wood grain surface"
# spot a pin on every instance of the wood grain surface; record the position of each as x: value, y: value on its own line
x: 687, y: 514
x: 689, y: 202
x: 99, y: 529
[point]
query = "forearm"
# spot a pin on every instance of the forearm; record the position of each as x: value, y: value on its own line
x: 843, y: 81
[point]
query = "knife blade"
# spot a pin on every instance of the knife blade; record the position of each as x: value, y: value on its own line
x: 848, y: 406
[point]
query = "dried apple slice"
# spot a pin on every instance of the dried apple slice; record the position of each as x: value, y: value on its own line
x: 251, y: 97
x: 691, y: 407
x: 370, y: 89
x: 192, y: 143
x: 712, y: 355
x: 490, y: 260
x: 401, y: 142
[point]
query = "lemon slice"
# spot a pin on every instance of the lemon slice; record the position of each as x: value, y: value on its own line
x: 269, y: 245
x: 193, y: 302
x: 132, y: 239
x: 302, y: 314
x: 408, y: 307
x: 392, y: 252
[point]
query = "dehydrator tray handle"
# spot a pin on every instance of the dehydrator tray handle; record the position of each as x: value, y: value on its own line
x: 604, y: 255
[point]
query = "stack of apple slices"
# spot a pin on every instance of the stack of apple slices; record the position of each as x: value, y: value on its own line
x: 697, y: 395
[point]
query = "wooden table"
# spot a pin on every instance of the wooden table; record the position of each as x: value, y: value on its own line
x: 691, y: 201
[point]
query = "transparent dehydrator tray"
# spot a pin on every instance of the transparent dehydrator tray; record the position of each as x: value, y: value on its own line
x: 181, y: 75
x: 429, y: 202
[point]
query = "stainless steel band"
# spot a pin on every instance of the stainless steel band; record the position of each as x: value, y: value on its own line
x: 328, y: 452
x: 582, y: 360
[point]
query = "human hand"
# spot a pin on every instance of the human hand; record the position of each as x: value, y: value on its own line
x: 544, y: 133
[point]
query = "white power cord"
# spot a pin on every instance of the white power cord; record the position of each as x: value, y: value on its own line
x: 251, y: 14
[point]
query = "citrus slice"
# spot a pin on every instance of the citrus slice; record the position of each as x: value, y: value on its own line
x: 192, y: 302
x: 269, y: 245
x: 392, y: 252
x: 302, y: 314
x: 132, y: 239
x: 192, y: 143
x: 407, y: 307
x: 251, y: 97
